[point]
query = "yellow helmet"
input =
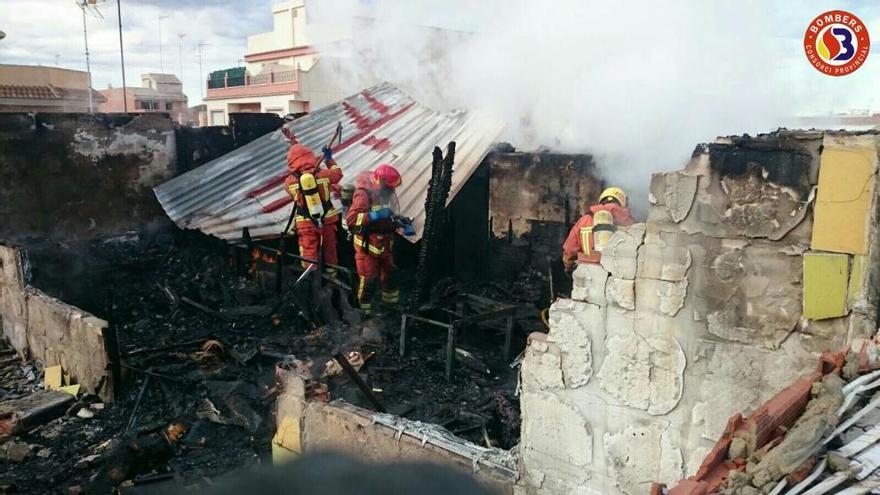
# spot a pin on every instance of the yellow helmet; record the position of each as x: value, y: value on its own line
x: 614, y: 193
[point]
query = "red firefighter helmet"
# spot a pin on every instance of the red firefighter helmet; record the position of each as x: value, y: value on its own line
x: 300, y: 158
x: 386, y: 175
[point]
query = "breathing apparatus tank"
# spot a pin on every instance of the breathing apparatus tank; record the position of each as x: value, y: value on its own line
x: 603, y: 229
x: 313, y: 197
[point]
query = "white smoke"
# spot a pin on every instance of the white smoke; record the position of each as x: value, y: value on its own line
x: 638, y: 84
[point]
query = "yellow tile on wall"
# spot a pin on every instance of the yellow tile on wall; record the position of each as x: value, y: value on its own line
x: 825, y: 285
x: 52, y: 377
x: 843, y: 202
x: 856, y: 277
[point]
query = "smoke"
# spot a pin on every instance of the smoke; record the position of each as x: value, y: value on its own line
x: 637, y: 84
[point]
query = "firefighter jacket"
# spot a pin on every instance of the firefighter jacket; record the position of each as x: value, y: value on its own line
x: 580, y: 244
x: 375, y: 238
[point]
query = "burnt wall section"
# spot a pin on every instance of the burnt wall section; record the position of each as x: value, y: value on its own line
x: 199, y: 145
x: 468, y: 227
x: 308, y: 424
x: 68, y: 176
x: 534, y: 199
x: 526, y: 188
x: 43, y: 328
x: 73, y: 176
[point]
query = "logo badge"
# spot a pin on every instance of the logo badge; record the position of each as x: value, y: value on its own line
x: 837, y: 43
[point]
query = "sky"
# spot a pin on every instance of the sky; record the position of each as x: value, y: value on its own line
x: 46, y: 31
x: 38, y: 31
x: 637, y: 84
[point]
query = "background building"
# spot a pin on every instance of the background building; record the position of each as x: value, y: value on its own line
x: 283, y: 72
x: 160, y: 93
x: 27, y: 88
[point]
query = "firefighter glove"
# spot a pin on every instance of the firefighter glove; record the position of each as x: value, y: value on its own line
x: 383, y: 214
x: 328, y: 154
x: 409, y: 230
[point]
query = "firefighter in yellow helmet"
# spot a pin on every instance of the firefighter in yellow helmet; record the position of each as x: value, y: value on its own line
x: 592, y: 231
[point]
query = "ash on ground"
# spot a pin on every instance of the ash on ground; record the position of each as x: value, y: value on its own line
x: 200, y: 340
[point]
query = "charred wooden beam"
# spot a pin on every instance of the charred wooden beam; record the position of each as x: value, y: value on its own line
x: 356, y: 378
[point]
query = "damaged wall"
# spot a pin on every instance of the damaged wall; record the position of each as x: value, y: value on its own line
x: 305, y: 423
x: 81, y: 176
x: 698, y: 313
x: 74, y: 176
x: 43, y: 328
x: 539, y: 187
x: 534, y: 199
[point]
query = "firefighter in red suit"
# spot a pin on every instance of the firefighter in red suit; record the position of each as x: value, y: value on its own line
x: 318, y: 218
x: 370, y: 220
x: 592, y: 231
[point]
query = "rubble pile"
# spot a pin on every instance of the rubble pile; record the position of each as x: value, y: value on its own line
x: 199, y: 340
x: 819, y: 435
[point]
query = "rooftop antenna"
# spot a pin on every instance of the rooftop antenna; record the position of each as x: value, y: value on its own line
x: 180, y: 37
x: 201, y: 80
x: 122, y: 57
x: 161, y: 59
x: 91, y: 7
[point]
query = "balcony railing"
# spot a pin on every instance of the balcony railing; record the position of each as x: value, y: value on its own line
x: 249, y: 80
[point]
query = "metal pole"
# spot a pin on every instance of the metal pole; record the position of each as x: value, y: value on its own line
x: 122, y: 57
x: 161, y: 59
x: 180, y: 37
x: 201, y: 75
x: 88, y: 63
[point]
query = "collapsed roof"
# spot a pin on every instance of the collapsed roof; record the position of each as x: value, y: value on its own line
x: 243, y: 189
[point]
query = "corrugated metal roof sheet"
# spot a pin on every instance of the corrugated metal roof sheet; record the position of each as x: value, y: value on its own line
x: 244, y: 188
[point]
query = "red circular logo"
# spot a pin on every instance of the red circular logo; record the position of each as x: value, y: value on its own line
x: 837, y: 43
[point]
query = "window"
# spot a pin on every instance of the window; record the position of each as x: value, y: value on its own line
x: 149, y: 104
x: 168, y: 106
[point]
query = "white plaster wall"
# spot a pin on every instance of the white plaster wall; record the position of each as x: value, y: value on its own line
x: 683, y: 325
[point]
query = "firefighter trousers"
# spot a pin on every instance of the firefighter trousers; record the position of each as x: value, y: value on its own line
x: 372, y: 271
x: 310, y: 242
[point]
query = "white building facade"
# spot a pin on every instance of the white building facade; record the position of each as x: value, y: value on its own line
x: 282, y: 73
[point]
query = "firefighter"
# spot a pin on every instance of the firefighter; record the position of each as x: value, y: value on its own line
x: 311, y: 188
x: 370, y: 219
x: 592, y: 231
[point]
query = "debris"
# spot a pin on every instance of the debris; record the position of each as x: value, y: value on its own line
x: 137, y: 404
x: 44, y: 453
x: 31, y: 411
x: 332, y: 367
x: 471, y: 361
x: 233, y: 399
x: 207, y: 310
x: 356, y: 378
x: 70, y: 389
x: 174, y: 432
x: 16, y: 451
x: 244, y: 352
x: 837, y: 462
x: 85, y: 413
x: 88, y: 460
x: 802, y: 439
x: 810, y: 437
